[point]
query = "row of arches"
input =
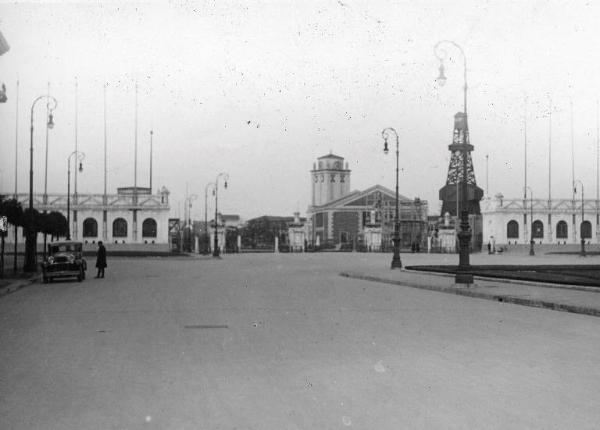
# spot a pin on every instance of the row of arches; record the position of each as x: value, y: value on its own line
x: 119, y: 227
x: 537, y: 230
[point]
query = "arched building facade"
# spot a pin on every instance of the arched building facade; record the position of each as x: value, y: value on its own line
x: 132, y: 215
x: 557, y: 221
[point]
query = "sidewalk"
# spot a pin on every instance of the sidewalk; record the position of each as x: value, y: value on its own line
x: 576, y: 299
x: 10, y: 285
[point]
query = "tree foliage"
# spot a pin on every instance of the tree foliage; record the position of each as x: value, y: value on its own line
x: 52, y: 223
x: 12, y: 210
x: 261, y: 232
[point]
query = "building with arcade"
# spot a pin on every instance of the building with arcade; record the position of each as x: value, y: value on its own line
x: 134, y: 215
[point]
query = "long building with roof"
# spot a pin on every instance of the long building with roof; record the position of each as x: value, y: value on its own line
x: 338, y: 217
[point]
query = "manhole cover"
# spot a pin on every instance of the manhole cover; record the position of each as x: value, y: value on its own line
x: 201, y: 326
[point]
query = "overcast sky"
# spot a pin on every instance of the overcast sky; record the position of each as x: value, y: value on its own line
x: 261, y: 89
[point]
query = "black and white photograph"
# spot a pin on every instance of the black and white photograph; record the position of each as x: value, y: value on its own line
x: 279, y: 214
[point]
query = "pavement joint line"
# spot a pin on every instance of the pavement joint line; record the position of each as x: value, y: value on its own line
x: 469, y: 292
x: 512, y: 281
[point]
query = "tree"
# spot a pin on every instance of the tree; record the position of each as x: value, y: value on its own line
x: 13, y: 210
x: 261, y: 232
x: 231, y: 235
x: 57, y: 224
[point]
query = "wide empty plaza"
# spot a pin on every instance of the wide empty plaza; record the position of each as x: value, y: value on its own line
x: 270, y: 341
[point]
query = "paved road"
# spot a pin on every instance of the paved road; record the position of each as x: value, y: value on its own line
x: 282, y: 342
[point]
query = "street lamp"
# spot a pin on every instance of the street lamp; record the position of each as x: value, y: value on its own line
x: 206, y: 239
x: 582, y: 253
x: 463, y: 275
x: 190, y: 199
x: 441, y: 55
x: 396, y: 263
x: 531, y: 241
x: 79, y: 156
x: 30, y: 239
x: 216, y: 191
x: 190, y: 227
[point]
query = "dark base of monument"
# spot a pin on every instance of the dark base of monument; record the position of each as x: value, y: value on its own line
x: 585, y: 274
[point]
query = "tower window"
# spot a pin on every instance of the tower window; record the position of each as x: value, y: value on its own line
x: 332, y: 178
x: 342, y: 178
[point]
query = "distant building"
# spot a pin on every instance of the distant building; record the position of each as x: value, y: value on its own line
x: 297, y: 234
x: 204, y: 233
x: 274, y: 233
x: 340, y: 218
x: 132, y: 215
x: 556, y: 221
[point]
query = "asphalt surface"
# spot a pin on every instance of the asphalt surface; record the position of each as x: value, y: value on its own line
x: 283, y: 342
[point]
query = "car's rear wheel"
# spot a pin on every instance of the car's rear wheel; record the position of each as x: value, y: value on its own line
x: 44, y: 279
x: 80, y: 276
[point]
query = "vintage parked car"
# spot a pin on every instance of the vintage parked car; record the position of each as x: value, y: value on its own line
x: 64, y: 260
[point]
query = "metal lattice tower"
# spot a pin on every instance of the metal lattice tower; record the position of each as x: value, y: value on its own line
x: 460, y: 148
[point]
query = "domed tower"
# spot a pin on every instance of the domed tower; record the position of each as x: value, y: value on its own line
x: 330, y: 180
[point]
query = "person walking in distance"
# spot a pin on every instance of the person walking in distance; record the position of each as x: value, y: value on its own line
x: 100, y: 260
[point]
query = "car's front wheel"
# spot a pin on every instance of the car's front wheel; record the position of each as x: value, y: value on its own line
x: 80, y: 276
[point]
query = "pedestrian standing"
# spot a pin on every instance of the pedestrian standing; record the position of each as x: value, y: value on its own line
x: 100, y: 260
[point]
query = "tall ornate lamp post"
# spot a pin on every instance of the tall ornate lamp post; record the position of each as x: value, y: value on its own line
x: 386, y: 133
x: 531, y: 241
x: 463, y: 275
x: 582, y: 253
x: 216, y: 251
x: 78, y: 156
x: 206, y: 236
x: 30, y: 239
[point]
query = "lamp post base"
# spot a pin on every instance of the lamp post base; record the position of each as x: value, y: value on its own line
x: 582, y: 248
x: 216, y: 245
x: 531, y: 251
x: 396, y: 262
x: 463, y: 276
x: 30, y: 253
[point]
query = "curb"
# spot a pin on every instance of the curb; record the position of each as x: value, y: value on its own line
x: 510, y: 281
x: 481, y: 295
x: 17, y: 285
